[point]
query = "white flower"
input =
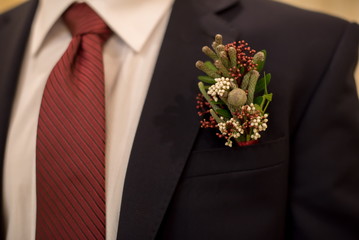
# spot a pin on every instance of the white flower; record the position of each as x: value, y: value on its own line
x: 255, y: 136
x: 235, y: 128
x: 258, y: 124
x: 221, y: 87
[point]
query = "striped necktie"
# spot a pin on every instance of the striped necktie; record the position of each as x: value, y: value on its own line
x: 70, y: 150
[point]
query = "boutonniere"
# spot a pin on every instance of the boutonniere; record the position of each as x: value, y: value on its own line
x: 233, y: 95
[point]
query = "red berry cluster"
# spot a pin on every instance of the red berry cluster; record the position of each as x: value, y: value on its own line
x: 203, y: 106
x: 244, y: 59
x: 211, y: 123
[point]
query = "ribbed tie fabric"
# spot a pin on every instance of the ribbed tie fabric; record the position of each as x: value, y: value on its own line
x: 70, y: 161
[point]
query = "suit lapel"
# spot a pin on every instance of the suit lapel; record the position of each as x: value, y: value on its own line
x: 14, y: 31
x: 169, y: 122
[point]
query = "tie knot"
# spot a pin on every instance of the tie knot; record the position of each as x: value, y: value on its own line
x: 81, y: 19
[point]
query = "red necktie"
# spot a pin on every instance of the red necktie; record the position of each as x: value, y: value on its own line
x: 70, y: 161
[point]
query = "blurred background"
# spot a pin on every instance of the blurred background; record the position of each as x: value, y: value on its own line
x: 347, y: 9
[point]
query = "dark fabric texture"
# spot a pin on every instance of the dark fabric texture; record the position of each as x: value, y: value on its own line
x: 301, y: 180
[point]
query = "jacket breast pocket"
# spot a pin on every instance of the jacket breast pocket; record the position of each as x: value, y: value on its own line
x: 231, y: 193
x: 229, y: 160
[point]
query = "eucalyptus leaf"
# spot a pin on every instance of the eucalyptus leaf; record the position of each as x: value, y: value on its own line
x: 207, y: 79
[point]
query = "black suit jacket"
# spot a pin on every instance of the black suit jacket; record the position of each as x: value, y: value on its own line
x: 302, y: 180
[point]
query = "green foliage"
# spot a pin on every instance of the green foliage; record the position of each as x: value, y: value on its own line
x: 207, y: 79
x: 263, y: 83
x: 267, y: 99
x: 219, y: 102
x: 268, y: 96
x: 215, y: 116
x: 224, y: 113
x: 258, y: 100
x: 264, y: 100
x: 259, y: 108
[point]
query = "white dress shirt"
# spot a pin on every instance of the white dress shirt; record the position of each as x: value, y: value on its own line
x: 129, y: 59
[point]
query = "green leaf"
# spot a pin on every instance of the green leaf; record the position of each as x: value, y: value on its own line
x: 219, y: 102
x: 258, y: 100
x: 215, y: 116
x: 258, y: 107
x: 223, y: 112
x: 268, y: 96
x: 207, y: 79
x: 263, y: 83
x: 211, y: 66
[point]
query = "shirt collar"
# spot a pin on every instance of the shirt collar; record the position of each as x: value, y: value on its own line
x: 131, y: 20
